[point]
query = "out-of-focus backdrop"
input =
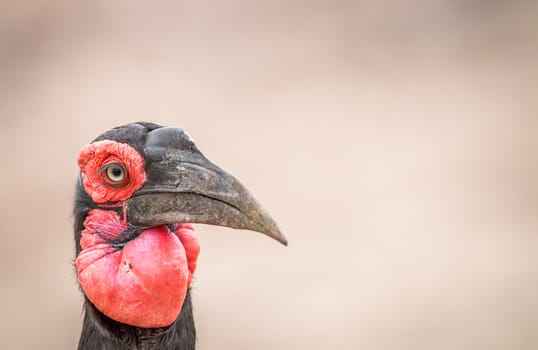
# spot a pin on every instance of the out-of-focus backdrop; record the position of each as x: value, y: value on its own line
x: 395, y: 142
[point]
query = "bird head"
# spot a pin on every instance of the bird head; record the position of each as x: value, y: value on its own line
x: 141, y: 187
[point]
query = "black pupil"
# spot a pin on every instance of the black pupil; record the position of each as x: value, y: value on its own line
x: 117, y: 171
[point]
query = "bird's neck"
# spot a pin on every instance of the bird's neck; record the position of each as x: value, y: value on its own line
x: 101, y: 332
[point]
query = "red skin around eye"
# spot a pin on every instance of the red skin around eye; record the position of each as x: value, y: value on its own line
x: 142, y: 284
x: 94, y: 156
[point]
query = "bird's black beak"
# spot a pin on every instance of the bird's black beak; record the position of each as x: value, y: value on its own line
x: 183, y: 186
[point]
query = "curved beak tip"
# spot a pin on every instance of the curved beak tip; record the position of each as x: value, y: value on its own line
x: 278, y: 236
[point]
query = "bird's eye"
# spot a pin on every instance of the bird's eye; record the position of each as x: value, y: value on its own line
x: 115, y: 173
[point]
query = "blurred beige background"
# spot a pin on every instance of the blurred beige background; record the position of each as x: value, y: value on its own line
x: 394, y: 142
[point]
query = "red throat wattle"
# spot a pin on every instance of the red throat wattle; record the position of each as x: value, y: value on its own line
x: 142, y: 283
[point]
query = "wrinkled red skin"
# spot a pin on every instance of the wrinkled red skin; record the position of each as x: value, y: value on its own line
x: 144, y: 282
x: 93, y: 157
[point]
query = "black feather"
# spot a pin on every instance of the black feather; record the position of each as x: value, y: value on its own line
x: 101, y: 332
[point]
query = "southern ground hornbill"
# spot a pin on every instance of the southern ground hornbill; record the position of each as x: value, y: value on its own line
x: 141, y: 187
